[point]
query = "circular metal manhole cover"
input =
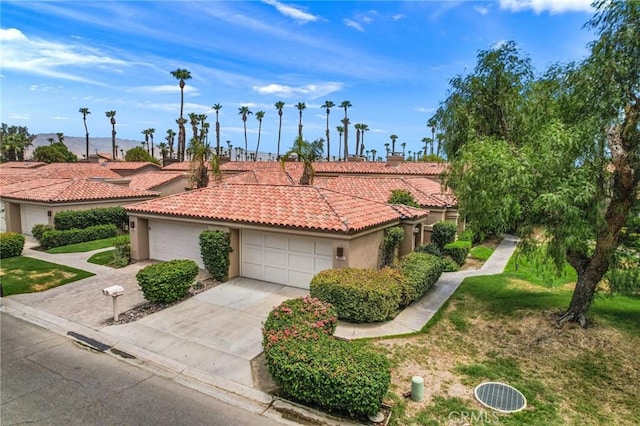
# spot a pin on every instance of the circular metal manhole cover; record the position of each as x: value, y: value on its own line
x: 500, y: 397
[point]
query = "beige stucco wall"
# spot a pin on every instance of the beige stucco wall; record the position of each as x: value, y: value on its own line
x: 363, y: 251
x: 12, y: 216
x: 174, y: 187
x: 139, y: 236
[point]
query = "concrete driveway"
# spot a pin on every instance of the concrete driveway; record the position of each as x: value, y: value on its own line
x: 217, y: 332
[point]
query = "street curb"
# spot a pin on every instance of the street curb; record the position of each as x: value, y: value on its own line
x: 232, y: 393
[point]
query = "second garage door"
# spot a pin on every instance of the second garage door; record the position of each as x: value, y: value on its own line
x: 31, y: 216
x: 170, y: 240
x: 284, y: 259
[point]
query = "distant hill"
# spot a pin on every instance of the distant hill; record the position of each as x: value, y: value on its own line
x: 77, y: 144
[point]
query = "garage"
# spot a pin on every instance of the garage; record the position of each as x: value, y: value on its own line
x: 284, y: 259
x: 31, y: 215
x: 169, y: 240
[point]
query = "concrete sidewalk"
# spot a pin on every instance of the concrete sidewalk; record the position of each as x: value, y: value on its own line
x: 208, y: 341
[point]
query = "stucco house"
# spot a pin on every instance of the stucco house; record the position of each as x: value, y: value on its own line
x: 36, y: 201
x: 279, y: 233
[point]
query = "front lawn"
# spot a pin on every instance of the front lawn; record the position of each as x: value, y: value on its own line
x: 84, y: 247
x: 28, y: 275
x: 501, y: 328
x: 102, y: 258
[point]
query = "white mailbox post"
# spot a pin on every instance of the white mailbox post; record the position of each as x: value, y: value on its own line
x: 114, y: 291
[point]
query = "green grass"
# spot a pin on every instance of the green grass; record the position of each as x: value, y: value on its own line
x: 539, y: 273
x: 83, y: 247
x: 102, y: 258
x: 28, y: 275
x: 481, y: 252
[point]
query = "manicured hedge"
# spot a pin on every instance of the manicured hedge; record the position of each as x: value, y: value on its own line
x: 215, y: 247
x: 168, y: 281
x: 38, y: 230
x: 458, y: 251
x: 311, y: 366
x: 360, y: 295
x: 70, y: 219
x: 431, y: 248
x: 56, y: 238
x: 421, y: 271
x: 443, y: 233
x: 11, y: 244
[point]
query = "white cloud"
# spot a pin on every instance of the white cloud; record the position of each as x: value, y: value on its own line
x: 58, y: 117
x: 353, y: 24
x: 20, y: 116
x: 481, y: 10
x: 498, y: 44
x: 310, y: 91
x: 292, y: 12
x: 49, y: 58
x: 398, y: 17
x: 552, y: 6
x: 164, y: 89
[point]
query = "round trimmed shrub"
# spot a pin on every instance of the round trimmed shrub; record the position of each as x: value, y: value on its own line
x: 430, y: 248
x: 11, y: 244
x: 215, y: 247
x: 38, y: 230
x: 311, y: 366
x: 168, y: 281
x: 443, y: 233
x: 458, y: 250
x: 360, y: 295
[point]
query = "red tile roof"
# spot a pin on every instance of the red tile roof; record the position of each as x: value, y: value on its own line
x: 426, y: 192
x: 261, y: 177
x: 302, y: 207
x: 21, y: 164
x: 153, y: 179
x: 130, y: 165
x: 75, y: 171
x: 67, y: 190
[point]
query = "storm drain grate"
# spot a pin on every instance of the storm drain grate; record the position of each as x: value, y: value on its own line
x: 89, y: 341
x: 500, y: 397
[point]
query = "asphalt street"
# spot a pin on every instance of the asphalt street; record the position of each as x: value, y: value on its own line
x: 48, y: 379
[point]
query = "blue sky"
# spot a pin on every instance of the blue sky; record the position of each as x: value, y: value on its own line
x: 391, y: 59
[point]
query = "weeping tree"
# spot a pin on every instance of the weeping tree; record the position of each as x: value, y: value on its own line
x: 566, y: 161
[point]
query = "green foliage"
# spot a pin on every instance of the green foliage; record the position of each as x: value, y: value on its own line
x: 420, y: 272
x: 139, y: 154
x: 458, y: 250
x: 11, y: 244
x: 79, y: 219
x: 402, y: 196
x: 57, y: 238
x: 38, y: 230
x: 481, y: 253
x: 22, y: 274
x: 467, y: 235
x: 311, y: 366
x: 14, y: 140
x: 449, y: 265
x: 307, y: 152
x: 122, y: 253
x: 167, y: 282
x: 392, y: 238
x: 215, y: 247
x: 443, y: 233
x: 57, y: 152
x: 431, y: 248
x: 360, y: 295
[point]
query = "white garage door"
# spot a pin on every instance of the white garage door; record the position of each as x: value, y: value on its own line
x: 284, y: 259
x: 31, y: 216
x: 169, y: 240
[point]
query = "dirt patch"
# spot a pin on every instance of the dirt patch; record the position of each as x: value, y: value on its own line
x: 261, y: 377
x: 471, y: 264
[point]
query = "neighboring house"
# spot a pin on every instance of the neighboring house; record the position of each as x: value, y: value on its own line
x: 128, y: 168
x: 279, y: 233
x: 429, y: 194
x: 36, y: 201
x: 158, y: 181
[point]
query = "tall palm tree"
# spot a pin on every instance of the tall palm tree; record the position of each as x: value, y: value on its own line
x: 164, y: 149
x: 181, y: 75
x: 327, y: 108
x: 345, y: 122
x: 357, y: 126
x: 259, y: 117
x: 363, y: 128
x: 85, y: 112
x: 432, y: 124
x: 193, y: 120
x: 340, y: 130
x: 170, y: 138
x: 60, y: 137
x: 403, y: 145
x: 279, y: 106
x: 373, y: 154
x: 427, y: 141
x: 181, y: 149
x: 393, y: 144
x: 217, y: 108
x: 244, y: 112
x: 151, y: 132
x: 301, y: 107
x: 112, y: 116
x: 145, y: 132
x: 386, y: 146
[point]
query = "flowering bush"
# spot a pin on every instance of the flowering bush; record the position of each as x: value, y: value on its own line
x: 310, y: 365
